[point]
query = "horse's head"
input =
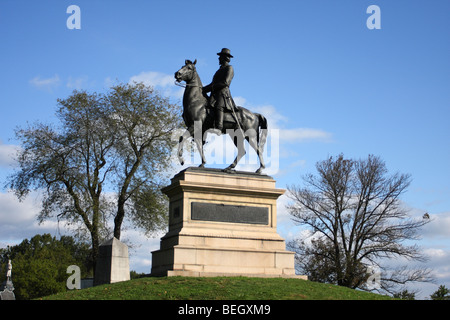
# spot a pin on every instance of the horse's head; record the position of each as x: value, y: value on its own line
x: 186, y: 73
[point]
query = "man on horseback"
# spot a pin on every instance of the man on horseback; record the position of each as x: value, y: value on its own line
x: 247, y: 125
x: 221, y: 98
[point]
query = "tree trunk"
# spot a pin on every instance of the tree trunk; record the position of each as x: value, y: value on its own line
x: 118, y: 219
x: 95, y: 248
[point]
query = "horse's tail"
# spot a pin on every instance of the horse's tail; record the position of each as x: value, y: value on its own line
x: 262, y: 134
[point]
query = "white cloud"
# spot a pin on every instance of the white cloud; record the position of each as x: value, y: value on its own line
x: 18, y: 219
x: 77, y: 83
x: 14, y: 212
x: 439, y: 227
x: 299, y: 163
x: 282, y: 211
x: 270, y: 112
x: 278, y: 121
x: 439, y: 262
x: 49, y: 84
x: 109, y: 82
x: 46, y: 83
x: 7, y: 152
x: 435, y: 253
x: 153, y: 78
x: 161, y: 81
x: 140, y: 248
x: 304, y: 134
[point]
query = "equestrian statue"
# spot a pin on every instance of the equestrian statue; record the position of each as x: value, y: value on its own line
x: 218, y: 113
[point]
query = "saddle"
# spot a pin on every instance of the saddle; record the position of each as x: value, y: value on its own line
x: 228, y: 115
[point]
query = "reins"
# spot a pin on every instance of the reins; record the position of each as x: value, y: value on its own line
x: 186, y: 85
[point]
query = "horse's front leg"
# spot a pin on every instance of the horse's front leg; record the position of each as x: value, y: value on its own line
x: 198, y: 138
x: 183, y: 137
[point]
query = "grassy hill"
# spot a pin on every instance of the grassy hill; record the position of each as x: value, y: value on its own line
x: 218, y: 288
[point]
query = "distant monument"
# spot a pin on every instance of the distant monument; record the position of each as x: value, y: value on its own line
x: 113, y: 263
x: 7, y: 287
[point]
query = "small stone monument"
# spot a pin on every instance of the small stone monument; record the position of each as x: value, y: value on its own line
x: 7, y: 288
x: 112, y: 264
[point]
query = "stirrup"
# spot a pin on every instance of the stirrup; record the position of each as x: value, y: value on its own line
x: 216, y: 131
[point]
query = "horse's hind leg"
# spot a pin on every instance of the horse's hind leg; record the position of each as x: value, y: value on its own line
x: 253, y: 141
x: 238, y: 140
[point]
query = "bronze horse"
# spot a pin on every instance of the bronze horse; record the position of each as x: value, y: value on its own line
x: 199, y: 118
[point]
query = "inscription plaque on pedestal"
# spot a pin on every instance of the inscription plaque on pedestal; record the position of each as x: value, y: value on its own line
x: 229, y: 213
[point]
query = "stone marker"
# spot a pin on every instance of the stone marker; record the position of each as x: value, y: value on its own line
x: 7, y: 287
x: 7, y: 295
x: 112, y: 264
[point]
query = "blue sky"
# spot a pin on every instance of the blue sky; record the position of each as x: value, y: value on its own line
x: 327, y: 82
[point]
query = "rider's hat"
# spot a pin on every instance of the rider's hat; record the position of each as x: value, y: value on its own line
x: 225, y: 52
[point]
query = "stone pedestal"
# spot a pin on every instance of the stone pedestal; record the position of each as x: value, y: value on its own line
x: 112, y: 263
x: 7, y: 290
x: 7, y: 295
x: 222, y: 224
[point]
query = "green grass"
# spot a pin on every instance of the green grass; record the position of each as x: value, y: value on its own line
x: 217, y: 288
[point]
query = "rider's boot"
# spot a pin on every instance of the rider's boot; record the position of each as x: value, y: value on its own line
x: 219, y: 121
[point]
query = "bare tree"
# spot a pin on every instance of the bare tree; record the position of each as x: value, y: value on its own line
x: 355, y: 221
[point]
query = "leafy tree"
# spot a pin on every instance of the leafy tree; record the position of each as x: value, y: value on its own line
x: 143, y: 123
x: 355, y: 220
x: 442, y: 293
x: 136, y: 275
x: 40, y: 264
x: 405, y: 295
x: 118, y: 140
x: 68, y: 163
